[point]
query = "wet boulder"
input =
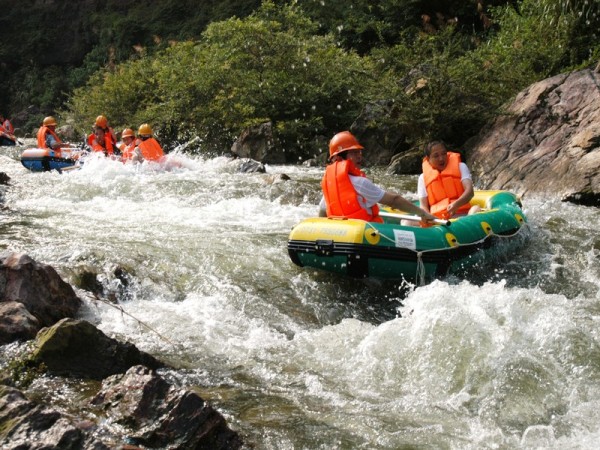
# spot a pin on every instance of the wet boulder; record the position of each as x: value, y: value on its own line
x: 251, y: 166
x: 16, y: 323
x: 77, y: 348
x: 27, y: 425
x: 46, y: 298
x: 407, y: 163
x: 159, y: 415
x: 548, y: 143
x: 4, y: 178
x: 257, y: 142
x: 377, y: 129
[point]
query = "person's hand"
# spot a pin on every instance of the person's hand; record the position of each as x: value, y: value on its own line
x: 452, y: 207
x: 427, y: 218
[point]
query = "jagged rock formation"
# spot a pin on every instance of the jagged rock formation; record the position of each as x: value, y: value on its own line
x: 547, y: 143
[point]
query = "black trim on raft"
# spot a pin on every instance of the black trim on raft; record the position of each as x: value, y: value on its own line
x: 294, y: 257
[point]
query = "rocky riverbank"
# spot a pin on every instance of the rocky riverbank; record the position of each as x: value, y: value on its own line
x: 119, y: 396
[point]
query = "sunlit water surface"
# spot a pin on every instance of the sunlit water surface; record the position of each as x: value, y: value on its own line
x: 507, y: 356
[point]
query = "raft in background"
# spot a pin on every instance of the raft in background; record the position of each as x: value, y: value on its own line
x: 43, y: 159
x: 390, y: 250
x: 7, y: 140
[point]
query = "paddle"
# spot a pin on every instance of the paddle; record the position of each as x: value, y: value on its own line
x: 413, y: 218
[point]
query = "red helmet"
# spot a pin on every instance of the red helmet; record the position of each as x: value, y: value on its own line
x: 342, y: 142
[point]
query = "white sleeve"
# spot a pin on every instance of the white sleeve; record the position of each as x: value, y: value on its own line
x: 371, y: 193
x: 323, y: 206
x: 421, y: 190
x: 465, y: 174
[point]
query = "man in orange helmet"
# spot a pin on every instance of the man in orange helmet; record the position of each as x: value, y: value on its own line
x: 107, y: 134
x: 47, y: 137
x: 148, y: 146
x: 348, y: 193
x: 128, y: 145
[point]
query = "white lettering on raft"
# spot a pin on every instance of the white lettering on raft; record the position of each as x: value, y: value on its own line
x: 334, y: 231
x: 405, y: 239
x: 326, y: 231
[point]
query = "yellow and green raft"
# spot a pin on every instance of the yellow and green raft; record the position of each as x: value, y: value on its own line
x: 390, y: 250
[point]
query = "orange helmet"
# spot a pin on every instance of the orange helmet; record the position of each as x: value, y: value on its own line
x: 101, y: 121
x: 49, y: 121
x: 145, y: 130
x: 127, y: 132
x: 342, y: 142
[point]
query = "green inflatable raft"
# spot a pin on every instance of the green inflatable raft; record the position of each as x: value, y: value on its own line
x: 390, y: 250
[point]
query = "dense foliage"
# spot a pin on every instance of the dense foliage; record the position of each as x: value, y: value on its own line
x: 268, y: 67
x: 310, y: 67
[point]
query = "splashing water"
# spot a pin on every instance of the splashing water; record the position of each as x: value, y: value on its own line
x: 507, y: 357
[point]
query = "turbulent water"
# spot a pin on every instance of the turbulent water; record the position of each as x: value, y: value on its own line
x: 503, y: 357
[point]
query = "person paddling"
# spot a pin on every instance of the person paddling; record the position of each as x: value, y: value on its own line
x: 445, y: 187
x: 148, y: 146
x: 102, y: 122
x: 349, y: 194
x: 128, y: 145
x: 6, y: 125
x: 47, y: 137
x: 7, y: 132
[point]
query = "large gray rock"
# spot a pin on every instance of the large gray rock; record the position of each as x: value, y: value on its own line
x: 257, y: 143
x: 16, y: 323
x: 46, y: 298
x: 77, y: 348
x: 376, y: 128
x: 548, y: 143
x: 159, y: 415
x: 407, y: 163
x: 26, y: 425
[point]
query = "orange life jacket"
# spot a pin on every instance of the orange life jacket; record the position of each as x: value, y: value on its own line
x: 107, y: 148
x: 8, y: 126
x: 444, y: 187
x: 151, y: 149
x: 108, y: 132
x: 341, y: 197
x: 127, y: 150
x: 41, y: 136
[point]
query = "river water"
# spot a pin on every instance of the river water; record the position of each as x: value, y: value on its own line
x: 506, y: 357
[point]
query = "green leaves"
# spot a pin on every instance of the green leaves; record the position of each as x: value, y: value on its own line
x: 268, y: 67
x: 294, y: 65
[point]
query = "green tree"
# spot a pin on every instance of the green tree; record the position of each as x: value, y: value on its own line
x: 268, y: 67
x: 447, y: 85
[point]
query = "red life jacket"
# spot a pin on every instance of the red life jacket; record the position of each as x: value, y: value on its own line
x: 41, y: 136
x: 151, y: 149
x: 341, y: 197
x: 444, y: 187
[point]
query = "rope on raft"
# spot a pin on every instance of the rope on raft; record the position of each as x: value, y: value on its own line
x: 420, y: 274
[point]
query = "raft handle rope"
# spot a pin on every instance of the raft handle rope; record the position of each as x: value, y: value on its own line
x: 420, y: 274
